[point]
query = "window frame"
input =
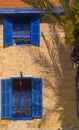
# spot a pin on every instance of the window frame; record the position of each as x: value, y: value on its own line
x: 33, y: 110
x: 34, y: 39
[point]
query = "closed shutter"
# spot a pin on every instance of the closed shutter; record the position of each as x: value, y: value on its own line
x: 16, y: 30
x: 37, y: 98
x: 27, y: 30
x: 6, y: 110
x: 8, y: 31
x: 35, y: 30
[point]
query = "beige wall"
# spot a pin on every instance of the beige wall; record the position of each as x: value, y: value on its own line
x: 51, y: 61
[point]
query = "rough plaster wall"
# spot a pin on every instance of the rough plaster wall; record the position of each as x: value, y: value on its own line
x: 50, y: 61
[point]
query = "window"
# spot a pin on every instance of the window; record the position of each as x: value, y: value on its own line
x: 21, y: 98
x: 21, y: 30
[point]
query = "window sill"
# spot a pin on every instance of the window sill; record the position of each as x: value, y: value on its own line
x: 22, y: 42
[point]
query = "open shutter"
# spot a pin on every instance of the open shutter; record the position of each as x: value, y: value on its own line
x: 37, y: 98
x: 8, y: 31
x: 6, y: 110
x: 35, y: 30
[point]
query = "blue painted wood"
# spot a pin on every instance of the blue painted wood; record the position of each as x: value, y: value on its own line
x: 19, y: 11
x: 37, y: 98
x: 60, y: 9
x: 6, y: 111
x: 26, y: 10
x: 8, y: 31
x: 35, y: 30
x: 27, y: 100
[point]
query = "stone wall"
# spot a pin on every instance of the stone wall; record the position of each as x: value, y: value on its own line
x: 51, y: 61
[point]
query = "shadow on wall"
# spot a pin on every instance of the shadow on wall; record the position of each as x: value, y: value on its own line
x: 59, y: 88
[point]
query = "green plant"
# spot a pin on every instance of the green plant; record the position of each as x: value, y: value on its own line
x: 25, y: 111
x: 69, y: 20
x: 19, y: 39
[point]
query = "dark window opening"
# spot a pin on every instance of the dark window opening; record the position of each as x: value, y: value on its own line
x: 23, y: 84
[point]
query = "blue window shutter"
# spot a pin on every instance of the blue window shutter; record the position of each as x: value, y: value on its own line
x: 35, y: 30
x: 37, y: 98
x: 6, y: 96
x: 8, y: 31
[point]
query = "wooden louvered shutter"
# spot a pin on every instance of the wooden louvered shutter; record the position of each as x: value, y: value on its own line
x: 6, y: 97
x: 37, y: 98
x: 8, y: 31
x: 35, y: 30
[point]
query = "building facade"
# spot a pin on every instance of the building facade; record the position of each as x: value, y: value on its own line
x: 34, y: 47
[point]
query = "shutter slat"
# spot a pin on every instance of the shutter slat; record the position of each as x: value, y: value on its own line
x: 37, y: 98
x: 8, y: 31
x: 6, y: 98
x: 35, y: 30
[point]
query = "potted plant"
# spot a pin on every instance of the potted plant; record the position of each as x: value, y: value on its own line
x: 21, y: 40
